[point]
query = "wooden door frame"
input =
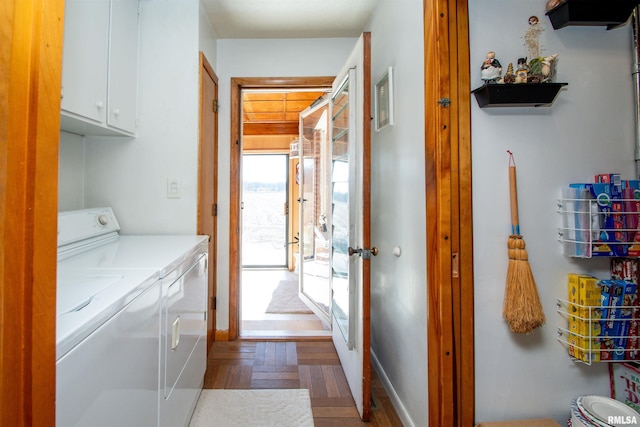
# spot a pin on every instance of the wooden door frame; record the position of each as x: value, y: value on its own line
x: 235, y: 212
x: 207, y: 69
x: 30, y: 80
x: 449, y: 214
x: 367, y: 123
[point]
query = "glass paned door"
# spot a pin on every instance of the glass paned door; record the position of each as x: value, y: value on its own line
x: 315, y: 214
x: 264, y: 211
x: 343, y: 215
x: 351, y: 184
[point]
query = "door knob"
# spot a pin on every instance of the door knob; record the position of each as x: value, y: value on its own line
x: 352, y: 251
x: 364, y: 253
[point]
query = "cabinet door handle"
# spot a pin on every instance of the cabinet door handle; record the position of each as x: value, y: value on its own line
x: 175, y: 333
x: 99, y: 104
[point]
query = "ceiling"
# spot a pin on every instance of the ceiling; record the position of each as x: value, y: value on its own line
x: 262, y: 19
x: 274, y: 113
x: 277, y: 113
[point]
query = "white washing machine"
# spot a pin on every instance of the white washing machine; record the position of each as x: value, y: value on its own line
x: 131, y: 324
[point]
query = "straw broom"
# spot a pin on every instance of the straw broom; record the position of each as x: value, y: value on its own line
x: 522, y: 309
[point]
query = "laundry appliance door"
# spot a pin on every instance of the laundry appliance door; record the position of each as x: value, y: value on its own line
x: 111, y: 377
x: 183, y: 342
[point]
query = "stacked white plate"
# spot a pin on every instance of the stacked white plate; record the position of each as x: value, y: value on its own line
x: 600, y: 411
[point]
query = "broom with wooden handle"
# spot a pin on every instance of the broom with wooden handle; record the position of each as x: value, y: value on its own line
x: 522, y: 309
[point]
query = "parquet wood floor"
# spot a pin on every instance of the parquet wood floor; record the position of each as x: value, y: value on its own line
x: 313, y: 365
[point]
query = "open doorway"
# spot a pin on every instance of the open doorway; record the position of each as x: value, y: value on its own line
x: 270, y: 303
x: 264, y: 210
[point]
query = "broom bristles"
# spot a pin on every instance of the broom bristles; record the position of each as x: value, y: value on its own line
x: 522, y: 309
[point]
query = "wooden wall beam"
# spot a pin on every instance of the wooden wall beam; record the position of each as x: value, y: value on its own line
x: 30, y: 79
x: 449, y: 221
x: 464, y: 283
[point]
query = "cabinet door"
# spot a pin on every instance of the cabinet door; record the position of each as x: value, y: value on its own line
x: 183, y: 344
x: 84, y: 70
x: 123, y: 65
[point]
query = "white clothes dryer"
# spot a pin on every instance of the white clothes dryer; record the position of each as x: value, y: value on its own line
x: 131, y: 324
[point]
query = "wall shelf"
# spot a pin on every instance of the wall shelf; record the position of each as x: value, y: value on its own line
x: 579, y: 324
x: 517, y: 95
x: 610, y: 13
x: 589, y: 231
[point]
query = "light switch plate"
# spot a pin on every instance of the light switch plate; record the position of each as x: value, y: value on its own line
x: 174, y: 188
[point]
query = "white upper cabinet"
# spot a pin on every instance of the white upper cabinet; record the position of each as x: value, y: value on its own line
x: 123, y: 65
x: 100, y: 67
x: 84, y: 58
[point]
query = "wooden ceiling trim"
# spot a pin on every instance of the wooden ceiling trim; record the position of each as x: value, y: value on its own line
x: 284, y: 128
x: 268, y: 144
x: 262, y: 96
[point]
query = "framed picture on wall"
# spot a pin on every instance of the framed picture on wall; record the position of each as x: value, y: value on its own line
x: 383, y: 100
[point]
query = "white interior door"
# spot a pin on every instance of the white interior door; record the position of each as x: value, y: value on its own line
x: 350, y: 239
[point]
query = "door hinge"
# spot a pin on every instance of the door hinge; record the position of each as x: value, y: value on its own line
x: 444, y: 102
x: 214, y: 209
x: 214, y: 303
x: 215, y: 106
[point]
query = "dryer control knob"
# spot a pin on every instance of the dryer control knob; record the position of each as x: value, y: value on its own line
x: 103, y: 219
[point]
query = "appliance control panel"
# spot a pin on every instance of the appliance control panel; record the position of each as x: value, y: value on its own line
x: 79, y: 225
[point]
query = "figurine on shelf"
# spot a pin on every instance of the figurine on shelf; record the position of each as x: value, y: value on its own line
x: 491, y: 70
x: 553, y: 3
x: 509, y: 76
x: 522, y: 71
x: 542, y: 69
x: 549, y: 67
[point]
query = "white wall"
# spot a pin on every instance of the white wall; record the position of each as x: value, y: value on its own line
x: 208, y: 39
x: 260, y: 58
x: 589, y: 130
x: 71, y: 172
x: 398, y: 291
x: 130, y: 174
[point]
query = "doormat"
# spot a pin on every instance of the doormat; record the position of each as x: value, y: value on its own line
x: 249, y: 408
x: 285, y: 300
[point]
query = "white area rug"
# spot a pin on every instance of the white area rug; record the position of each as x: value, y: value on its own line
x: 248, y: 408
x: 285, y: 299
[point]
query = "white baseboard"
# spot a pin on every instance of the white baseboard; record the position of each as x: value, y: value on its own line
x: 391, y: 393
